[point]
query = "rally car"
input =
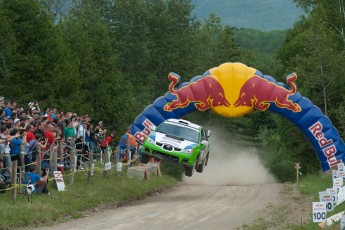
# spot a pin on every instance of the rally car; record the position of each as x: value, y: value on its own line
x: 178, y: 141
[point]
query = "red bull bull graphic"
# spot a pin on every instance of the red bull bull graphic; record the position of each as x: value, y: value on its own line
x: 260, y: 93
x: 205, y: 93
x: 233, y: 90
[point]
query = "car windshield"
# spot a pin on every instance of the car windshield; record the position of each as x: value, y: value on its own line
x: 179, y: 131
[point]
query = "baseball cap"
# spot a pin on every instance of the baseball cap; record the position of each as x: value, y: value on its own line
x: 16, y: 120
x: 100, y: 123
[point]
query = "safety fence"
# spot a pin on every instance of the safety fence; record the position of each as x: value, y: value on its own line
x: 67, y: 163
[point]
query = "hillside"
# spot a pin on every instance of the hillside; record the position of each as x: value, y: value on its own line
x: 264, y: 15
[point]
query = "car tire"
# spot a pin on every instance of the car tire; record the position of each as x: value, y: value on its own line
x: 200, y: 168
x: 189, y: 171
x: 207, y: 158
x: 145, y: 158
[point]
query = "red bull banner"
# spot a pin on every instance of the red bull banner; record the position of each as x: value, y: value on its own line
x: 233, y: 90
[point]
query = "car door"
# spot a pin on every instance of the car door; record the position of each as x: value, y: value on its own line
x: 205, y: 146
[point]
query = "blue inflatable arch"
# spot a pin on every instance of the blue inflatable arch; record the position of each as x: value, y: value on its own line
x: 232, y: 90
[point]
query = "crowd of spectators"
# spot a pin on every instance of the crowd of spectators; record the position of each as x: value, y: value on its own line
x: 27, y: 129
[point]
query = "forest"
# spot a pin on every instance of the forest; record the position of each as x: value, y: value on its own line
x: 110, y: 59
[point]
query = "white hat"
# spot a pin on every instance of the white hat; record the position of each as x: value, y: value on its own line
x: 16, y: 120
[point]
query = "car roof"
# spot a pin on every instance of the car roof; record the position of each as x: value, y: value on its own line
x: 183, y: 122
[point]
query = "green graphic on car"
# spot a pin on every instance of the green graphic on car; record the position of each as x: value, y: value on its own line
x: 178, y: 141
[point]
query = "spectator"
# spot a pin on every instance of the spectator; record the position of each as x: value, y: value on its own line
x: 92, y: 140
x: 128, y: 139
x: 69, y: 131
x: 41, y: 127
x: 107, y: 141
x: 30, y: 149
x: 100, y: 131
x: 82, y: 150
x: 16, y: 142
x: 30, y: 128
x: 48, y: 134
x: 7, y: 110
x: 4, y: 135
x: 4, y: 176
x: 39, y: 182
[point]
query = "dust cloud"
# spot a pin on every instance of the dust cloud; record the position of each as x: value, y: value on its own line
x: 231, y: 162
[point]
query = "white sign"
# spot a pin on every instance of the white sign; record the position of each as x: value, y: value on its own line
x: 326, y: 197
x: 92, y: 168
x: 119, y: 167
x: 59, y: 181
x: 341, y: 195
x: 333, y: 219
x: 334, y: 195
x: 319, y: 212
x: 342, y: 223
x: 341, y: 166
x: 75, y: 164
x: 338, y: 183
x: 334, y: 174
x: 107, y: 166
x: 341, y: 173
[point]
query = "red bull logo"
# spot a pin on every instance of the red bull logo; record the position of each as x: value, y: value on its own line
x: 259, y: 93
x: 205, y: 93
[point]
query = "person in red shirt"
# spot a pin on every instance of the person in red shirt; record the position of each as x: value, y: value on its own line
x: 30, y: 128
x: 48, y: 134
x: 106, y: 142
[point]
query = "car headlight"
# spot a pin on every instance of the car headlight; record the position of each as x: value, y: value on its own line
x: 151, y: 140
x: 188, y: 150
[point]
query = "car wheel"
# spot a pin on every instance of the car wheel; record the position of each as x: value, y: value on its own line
x: 207, y: 159
x: 200, y: 168
x: 145, y: 158
x: 189, y: 171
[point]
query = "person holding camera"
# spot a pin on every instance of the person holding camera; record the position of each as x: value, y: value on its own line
x: 16, y: 144
x: 39, y: 182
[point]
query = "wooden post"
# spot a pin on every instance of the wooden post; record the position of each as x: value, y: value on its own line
x: 60, y: 150
x: 53, y: 158
x: 129, y: 157
x: 38, y: 160
x: 118, y: 161
x: 105, y: 160
x: 89, y: 177
x: 73, y: 162
x: 22, y: 167
x: 14, y: 180
x: 297, y: 167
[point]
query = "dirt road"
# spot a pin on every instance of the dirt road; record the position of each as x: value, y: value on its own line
x: 185, y: 207
x: 232, y: 191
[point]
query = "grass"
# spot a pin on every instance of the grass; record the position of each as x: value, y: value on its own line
x: 312, y: 185
x: 309, y: 186
x: 79, y: 198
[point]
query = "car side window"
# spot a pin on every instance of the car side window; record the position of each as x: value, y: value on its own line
x: 203, y: 135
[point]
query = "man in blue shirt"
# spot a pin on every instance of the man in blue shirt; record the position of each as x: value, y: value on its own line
x: 16, y: 144
x: 40, y: 183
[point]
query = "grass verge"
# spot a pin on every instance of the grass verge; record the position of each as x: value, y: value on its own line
x: 294, y: 212
x: 79, y: 197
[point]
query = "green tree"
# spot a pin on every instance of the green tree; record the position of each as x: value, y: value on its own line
x: 36, y: 58
x: 104, y: 91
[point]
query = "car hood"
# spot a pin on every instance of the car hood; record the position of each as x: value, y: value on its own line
x: 164, y: 139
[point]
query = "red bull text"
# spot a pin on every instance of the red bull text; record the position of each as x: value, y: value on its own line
x: 328, y: 150
x: 140, y: 136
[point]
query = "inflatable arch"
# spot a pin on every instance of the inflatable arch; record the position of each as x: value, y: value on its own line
x: 233, y: 90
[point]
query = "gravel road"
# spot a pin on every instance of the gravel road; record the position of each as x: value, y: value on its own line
x: 185, y: 207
